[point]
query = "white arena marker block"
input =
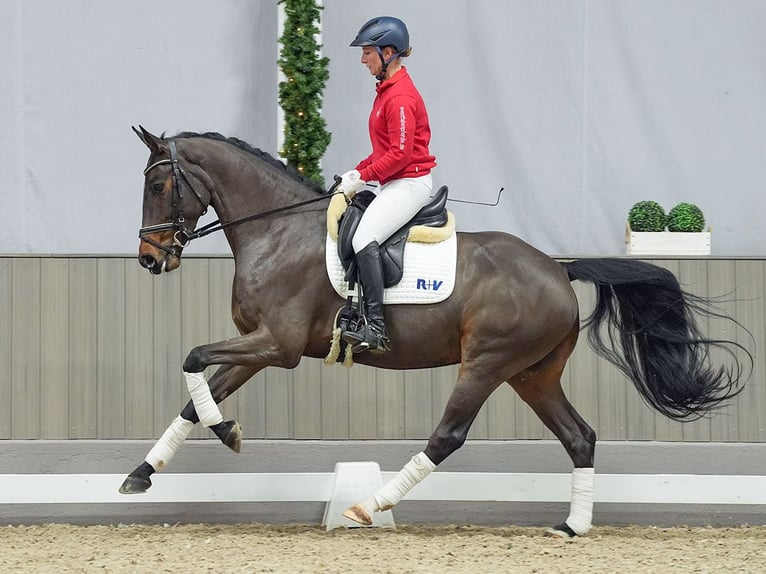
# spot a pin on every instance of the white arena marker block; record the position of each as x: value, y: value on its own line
x: 354, y: 482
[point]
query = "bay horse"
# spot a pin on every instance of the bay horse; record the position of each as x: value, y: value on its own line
x: 512, y: 316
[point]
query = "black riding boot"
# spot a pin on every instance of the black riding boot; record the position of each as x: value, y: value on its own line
x: 371, y: 335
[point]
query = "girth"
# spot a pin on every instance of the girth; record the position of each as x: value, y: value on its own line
x: 392, y: 251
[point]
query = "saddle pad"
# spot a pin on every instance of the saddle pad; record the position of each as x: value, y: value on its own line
x: 429, y: 272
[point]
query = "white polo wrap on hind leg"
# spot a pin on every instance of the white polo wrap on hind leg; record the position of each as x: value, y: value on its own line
x: 169, y: 443
x: 207, y: 410
x: 580, y: 517
x: 392, y: 492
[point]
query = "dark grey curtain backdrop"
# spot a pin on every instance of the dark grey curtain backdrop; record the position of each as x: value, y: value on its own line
x: 578, y: 108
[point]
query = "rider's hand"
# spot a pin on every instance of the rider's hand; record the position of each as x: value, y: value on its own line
x: 351, y: 182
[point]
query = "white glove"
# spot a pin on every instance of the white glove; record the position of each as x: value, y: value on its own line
x: 351, y: 182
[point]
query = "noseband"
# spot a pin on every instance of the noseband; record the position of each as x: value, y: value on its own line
x: 182, y: 235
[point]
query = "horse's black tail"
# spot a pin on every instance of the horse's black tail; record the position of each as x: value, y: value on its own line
x: 652, y: 336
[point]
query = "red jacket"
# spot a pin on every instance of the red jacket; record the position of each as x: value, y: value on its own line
x: 399, y: 132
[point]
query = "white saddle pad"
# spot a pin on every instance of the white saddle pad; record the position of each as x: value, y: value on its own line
x: 429, y: 272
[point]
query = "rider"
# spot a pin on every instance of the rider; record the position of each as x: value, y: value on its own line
x: 400, y: 162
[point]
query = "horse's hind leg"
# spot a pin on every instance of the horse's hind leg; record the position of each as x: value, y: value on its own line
x: 471, y: 391
x: 540, y: 387
x: 225, y: 381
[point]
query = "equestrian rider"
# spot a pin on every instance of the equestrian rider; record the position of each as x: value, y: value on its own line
x: 400, y: 162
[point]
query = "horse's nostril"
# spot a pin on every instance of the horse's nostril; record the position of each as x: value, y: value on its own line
x: 147, y: 261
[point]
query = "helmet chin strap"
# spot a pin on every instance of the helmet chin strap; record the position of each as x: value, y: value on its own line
x: 382, y: 76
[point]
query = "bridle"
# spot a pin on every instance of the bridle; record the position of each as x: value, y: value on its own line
x: 182, y: 235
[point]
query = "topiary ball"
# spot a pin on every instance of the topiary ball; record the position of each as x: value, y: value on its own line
x: 647, y: 216
x: 686, y: 217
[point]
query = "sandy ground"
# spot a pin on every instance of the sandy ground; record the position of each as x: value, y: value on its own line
x: 61, y: 548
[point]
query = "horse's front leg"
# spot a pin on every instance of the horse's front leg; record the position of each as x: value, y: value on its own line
x: 242, y: 357
x: 225, y: 381
x: 256, y: 350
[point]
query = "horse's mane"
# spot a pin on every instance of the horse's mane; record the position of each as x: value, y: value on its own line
x: 260, y: 154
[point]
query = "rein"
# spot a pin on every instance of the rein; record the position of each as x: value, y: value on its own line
x: 182, y: 236
x: 218, y: 226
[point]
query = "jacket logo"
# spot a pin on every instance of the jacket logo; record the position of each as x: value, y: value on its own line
x: 402, y: 128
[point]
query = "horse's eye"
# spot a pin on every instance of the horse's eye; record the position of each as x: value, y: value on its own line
x: 158, y: 187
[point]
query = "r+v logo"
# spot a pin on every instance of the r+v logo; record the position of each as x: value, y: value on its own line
x: 429, y: 285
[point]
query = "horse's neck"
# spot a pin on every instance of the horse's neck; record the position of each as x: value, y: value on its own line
x: 250, y: 193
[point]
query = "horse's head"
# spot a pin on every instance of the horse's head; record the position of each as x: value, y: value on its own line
x: 172, y: 203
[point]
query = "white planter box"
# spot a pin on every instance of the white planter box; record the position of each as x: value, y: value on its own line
x: 667, y: 243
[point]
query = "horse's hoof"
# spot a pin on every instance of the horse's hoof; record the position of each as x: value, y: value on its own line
x: 561, y: 531
x: 230, y: 433
x: 138, y: 481
x: 135, y: 485
x: 358, y: 515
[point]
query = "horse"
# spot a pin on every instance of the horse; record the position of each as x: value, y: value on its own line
x: 512, y: 317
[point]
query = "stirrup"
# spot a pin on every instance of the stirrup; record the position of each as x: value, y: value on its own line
x: 367, y: 338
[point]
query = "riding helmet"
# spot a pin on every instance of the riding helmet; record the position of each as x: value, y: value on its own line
x: 384, y: 31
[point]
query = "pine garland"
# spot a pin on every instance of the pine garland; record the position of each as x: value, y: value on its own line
x: 300, y: 95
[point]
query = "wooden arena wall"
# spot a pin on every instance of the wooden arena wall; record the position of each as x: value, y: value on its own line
x: 91, y: 348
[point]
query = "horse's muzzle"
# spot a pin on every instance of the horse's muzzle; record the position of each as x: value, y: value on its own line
x: 150, y: 263
x: 157, y: 256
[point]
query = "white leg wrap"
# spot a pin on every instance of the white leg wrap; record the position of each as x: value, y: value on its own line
x: 169, y: 443
x: 580, y: 517
x: 208, y: 412
x: 392, y: 492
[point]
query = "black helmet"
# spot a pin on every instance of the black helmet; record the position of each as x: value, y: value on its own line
x: 383, y: 31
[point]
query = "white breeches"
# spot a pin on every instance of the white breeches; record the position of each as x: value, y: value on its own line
x: 396, y: 203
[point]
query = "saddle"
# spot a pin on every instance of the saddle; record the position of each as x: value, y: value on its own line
x: 392, y: 250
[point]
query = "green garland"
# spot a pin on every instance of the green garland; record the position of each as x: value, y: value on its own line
x: 300, y: 95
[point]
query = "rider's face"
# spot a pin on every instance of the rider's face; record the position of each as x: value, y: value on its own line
x: 371, y: 59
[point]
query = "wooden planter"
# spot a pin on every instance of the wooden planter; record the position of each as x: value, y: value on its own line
x: 667, y: 243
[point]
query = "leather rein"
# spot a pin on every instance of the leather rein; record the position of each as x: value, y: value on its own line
x: 183, y: 236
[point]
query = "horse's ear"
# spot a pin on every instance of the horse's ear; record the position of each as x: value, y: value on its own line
x: 151, y: 141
